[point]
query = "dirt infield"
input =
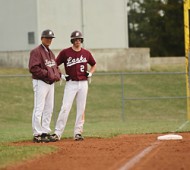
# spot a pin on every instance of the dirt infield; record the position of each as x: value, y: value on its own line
x: 134, y: 152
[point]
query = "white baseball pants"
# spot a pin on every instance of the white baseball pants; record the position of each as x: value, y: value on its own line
x: 43, y: 107
x: 78, y: 89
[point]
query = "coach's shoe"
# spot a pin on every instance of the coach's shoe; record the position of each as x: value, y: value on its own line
x: 37, y: 139
x: 53, y: 138
x: 78, y: 137
x: 45, y: 138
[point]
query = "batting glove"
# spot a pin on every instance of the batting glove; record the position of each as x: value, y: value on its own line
x: 88, y: 74
x: 64, y: 76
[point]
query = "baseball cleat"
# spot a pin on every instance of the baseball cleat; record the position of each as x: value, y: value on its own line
x: 53, y: 138
x: 78, y: 137
x: 37, y: 139
x: 45, y: 138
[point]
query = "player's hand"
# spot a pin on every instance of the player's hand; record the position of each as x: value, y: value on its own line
x: 64, y: 76
x: 88, y: 74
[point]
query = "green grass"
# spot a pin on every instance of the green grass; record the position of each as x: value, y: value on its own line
x: 104, y: 114
x: 10, y: 155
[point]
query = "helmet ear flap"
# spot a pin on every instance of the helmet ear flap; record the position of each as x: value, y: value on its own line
x: 72, y: 41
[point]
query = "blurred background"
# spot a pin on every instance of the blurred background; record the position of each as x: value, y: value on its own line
x: 127, y: 31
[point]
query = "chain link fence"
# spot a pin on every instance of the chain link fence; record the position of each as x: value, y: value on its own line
x: 118, y: 96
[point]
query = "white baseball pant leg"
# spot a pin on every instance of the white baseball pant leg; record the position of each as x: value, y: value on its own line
x: 81, y: 105
x: 43, y: 107
x: 72, y: 88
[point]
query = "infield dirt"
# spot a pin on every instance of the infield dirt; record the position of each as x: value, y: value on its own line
x: 113, y: 154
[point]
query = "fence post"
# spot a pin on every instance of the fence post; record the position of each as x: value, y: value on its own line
x: 187, y: 52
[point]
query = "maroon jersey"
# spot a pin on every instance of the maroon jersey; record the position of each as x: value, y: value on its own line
x: 75, y: 62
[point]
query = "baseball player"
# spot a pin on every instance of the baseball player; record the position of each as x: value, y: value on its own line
x: 44, y: 72
x: 75, y: 60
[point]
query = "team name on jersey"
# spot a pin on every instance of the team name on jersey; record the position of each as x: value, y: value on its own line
x: 72, y: 61
x: 50, y: 63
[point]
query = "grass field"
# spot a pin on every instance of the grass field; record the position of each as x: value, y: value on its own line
x: 104, y: 114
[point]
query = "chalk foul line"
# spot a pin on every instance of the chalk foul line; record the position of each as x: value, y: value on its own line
x: 133, y: 161
x: 138, y: 157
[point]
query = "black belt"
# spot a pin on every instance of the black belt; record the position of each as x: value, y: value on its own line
x: 49, y: 82
x: 77, y: 80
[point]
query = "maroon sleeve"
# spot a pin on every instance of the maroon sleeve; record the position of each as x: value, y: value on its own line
x: 59, y: 59
x: 91, y: 60
x: 35, y: 65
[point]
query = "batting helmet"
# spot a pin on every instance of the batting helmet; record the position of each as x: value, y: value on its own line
x: 76, y: 35
x: 47, y: 34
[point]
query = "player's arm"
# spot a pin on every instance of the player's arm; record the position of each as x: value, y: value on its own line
x: 92, y: 63
x: 59, y: 59
x: 91, y: 71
